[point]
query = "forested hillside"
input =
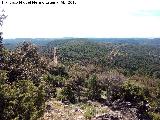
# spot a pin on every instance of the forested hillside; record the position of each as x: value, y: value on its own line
x: 128, y: 59
x: 92, y: 80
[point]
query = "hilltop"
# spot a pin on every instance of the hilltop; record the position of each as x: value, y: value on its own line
x: 93, y: 79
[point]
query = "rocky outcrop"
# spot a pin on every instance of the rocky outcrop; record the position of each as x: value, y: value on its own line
x: 117, y: 111
x: 129, y: 114
x: 121, y: 110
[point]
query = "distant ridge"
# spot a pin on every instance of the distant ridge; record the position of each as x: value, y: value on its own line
x: 131, y: 41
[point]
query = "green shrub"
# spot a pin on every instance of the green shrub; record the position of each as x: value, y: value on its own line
x: 56, y: 81
x: 21, y: 100
x: 93, y: 89
x: 134, y: 92
x: 131, y: 91
x: 25, y: 63
x: 60, y: 96
x: 90, y: 111
x: 66, y: 93
x: 155, y: 116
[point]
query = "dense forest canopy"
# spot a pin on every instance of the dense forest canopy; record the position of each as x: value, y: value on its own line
x: 130, y: 59
x: 116, y: 73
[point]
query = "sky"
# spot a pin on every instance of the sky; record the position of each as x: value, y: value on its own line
x: 86, y: 18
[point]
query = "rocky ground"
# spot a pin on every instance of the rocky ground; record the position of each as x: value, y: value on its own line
x: 56, y: 110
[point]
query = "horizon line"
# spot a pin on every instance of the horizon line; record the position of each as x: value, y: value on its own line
x: 82, y: 38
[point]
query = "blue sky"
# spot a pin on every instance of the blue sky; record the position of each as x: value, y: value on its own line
x: 88, y: 18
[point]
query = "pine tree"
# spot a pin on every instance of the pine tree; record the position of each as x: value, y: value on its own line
x: 94, y: 91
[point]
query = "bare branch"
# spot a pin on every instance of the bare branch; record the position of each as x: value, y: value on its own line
x: 2, y: 17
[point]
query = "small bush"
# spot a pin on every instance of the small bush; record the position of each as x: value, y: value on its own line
x: 155, y: 116
x: 130, y: 91
x: 134, y: 92
x: 66, y: 94
x: 90, y: 111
